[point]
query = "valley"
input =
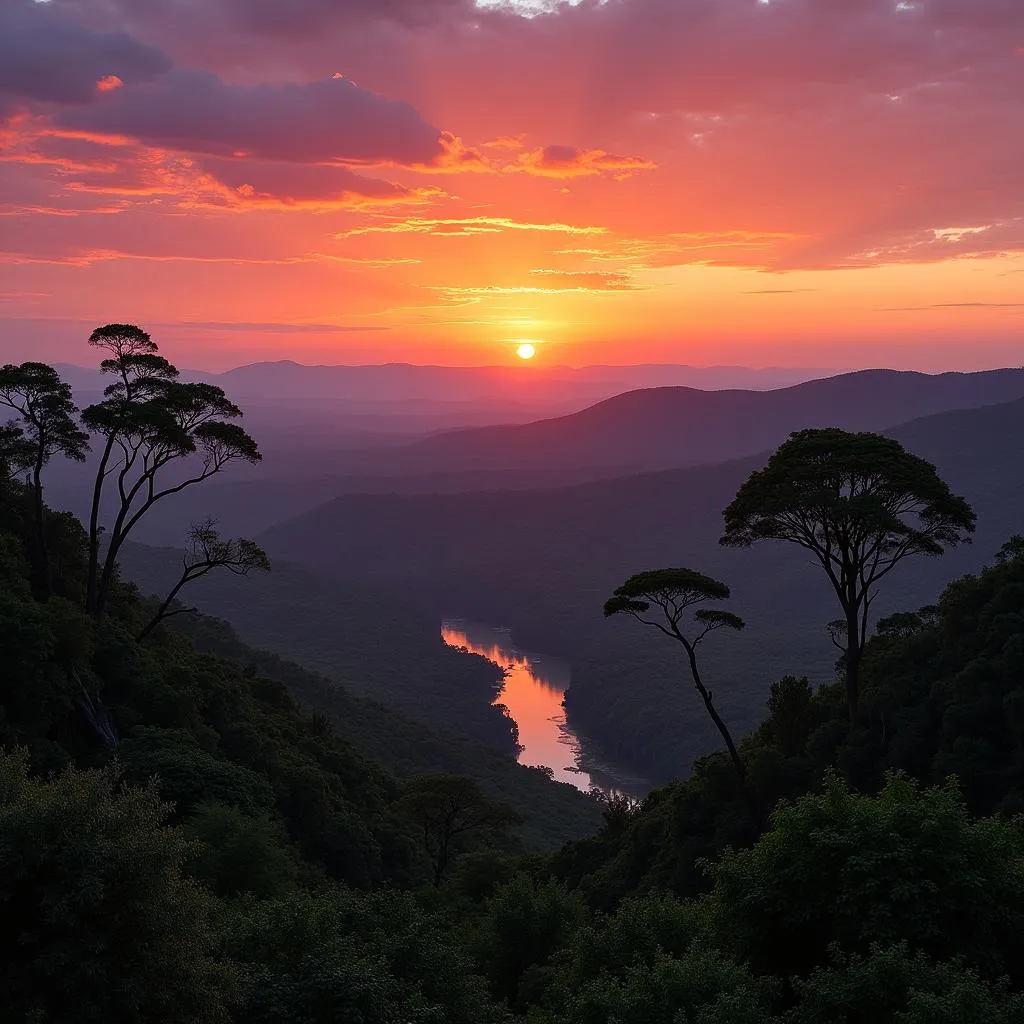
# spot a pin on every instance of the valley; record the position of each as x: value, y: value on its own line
x: 532, y: 694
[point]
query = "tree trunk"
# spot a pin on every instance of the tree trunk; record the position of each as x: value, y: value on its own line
x: 441, y: 865
x: 43, y: 581
x: 106, y: 578
x: 854, y: 644
x: 162, y: 611
x: 118, y: 535
x: 94, y: 528
x: 734, y: 754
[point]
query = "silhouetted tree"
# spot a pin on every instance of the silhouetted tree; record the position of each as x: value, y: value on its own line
x: 860, y: 503
x: 139, y: 371
x: 15, y: 451
x: 452, y: 814
x: 46, y: 427
x: 672, y: 592
x: 208, y: 551
x: 150, y: 421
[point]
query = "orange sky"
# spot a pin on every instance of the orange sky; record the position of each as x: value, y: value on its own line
x: 815, y: 182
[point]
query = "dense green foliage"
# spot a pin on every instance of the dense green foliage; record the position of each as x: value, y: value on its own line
x: 282, y: 877
x: 182, y: 840
x: 97, y: 920
x: 552, y: 812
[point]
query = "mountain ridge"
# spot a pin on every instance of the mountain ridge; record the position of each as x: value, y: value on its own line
x: 542, y: 563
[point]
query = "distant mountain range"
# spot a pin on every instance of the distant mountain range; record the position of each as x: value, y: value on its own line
x: 292, y: 407
x: 661, y: 428
x: 406, y: 384
x: 633, y: 432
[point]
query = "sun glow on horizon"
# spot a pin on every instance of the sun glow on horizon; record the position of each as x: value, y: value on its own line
x: 526, y: 350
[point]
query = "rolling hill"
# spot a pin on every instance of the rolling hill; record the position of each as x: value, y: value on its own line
x: 362, y: 664
x: 633, y: 432
x: 542, y: 562
x: 672, y: 427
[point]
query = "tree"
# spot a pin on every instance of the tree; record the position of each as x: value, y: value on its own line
x: 452, y: 814
x: 97, y: 921
x: 133, y: 359
x: 672, y: 592
x: 860, y: 503
x: 209, y: 551
x: 892, y: 985
x: 331, y: 955
x: 240, y: 853
x: 522, y: 925
x: 151, y: 421
x: 47, y: 428
x: 15, y: 451
x: 845, y: 870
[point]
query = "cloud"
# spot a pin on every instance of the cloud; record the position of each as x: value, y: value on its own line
x: 271, y: 328
x: 296, y: 21
x: 325, y: 121
x: 779, y: 291
x: 548, y: 282
x: 796, y: 134
x: 953, y: 305
x: 585, y: 279
x: 568, y: 162
x: 309, y: 186
x: 46, y: 58
x: 505, y: 142
x: 448, y: 227
x: 859, y: 126
x: 123, y: 169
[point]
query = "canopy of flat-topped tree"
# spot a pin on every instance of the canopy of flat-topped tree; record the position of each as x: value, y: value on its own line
x: 36, y: 392
x: 225, y: 441
x: 122, y: 339
x: 676, y: 581
x: 831, y: 488
x: 146, y: 372
x: 713, y: 619
x: 677, y: 587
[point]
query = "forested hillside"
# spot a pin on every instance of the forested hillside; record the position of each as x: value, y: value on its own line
x: 377, y: 643
x: 180, y: 842
x: 187, y: 834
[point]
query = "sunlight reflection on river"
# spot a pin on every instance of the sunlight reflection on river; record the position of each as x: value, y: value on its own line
x: 532, y: 691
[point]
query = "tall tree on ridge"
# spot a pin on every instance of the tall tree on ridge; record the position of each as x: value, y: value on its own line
x: 860, y: 503
x: 153, y: 421
x: 139, y: 370
x: 47, y: 427
x: 672, y: 592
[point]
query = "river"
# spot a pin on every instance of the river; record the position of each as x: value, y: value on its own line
x: 532, y: 690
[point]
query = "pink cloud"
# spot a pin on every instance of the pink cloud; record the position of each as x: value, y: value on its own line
x: 788, y: 135
x: 327, y: 120
x: 46, y: 58
x: 568, y: 162
x: 313, y: 186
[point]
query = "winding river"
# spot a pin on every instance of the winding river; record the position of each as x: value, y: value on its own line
x: 532, y: 691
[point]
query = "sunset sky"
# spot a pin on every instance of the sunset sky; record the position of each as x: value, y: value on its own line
x: 832, y: 183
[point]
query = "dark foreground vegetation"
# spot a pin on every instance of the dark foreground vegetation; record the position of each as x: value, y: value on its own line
x: 182, y: 840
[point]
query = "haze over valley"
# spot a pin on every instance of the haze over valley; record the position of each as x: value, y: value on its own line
x: 527, y: 527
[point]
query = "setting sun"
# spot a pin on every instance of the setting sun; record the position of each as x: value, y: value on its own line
x: 526, y: 351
